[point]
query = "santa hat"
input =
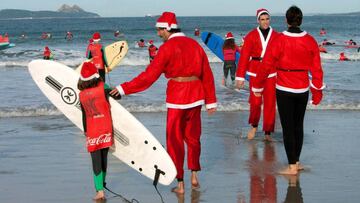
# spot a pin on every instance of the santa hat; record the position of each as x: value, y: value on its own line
x: 229, y: 35
x: 88, y: 71
x: 96, y: 37
x: 261, y: 11
x: 151, y: 42
x: 47, y: 48
x: 167, y: 20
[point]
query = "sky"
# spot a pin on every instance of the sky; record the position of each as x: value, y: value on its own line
x: 134, y: 8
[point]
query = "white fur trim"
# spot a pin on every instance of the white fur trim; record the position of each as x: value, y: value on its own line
x: 290, y: 34
x: 121, y: 90
x: 257, y: 89
x: 264, y: 42
x: 178, y: 34
x: 166, y: 25
x: 262, y: 12
x: 287, y: 89
x: 185, y: 106
x: 211, y: 106
x: 251, y: 74
x: 90, y: 78
x: 271, y: 75
x: 240, y: 78
x: 96, y: 40
x: 321, y: 88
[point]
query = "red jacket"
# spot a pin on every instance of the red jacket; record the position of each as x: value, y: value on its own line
x: 47, y: 53
x: 254, y: 47
x: 99, y: 131
x: 230, y: 54
x: 179, y: 56
x: 95, y: 51
x: 152, y: 50
x: 292, y: 56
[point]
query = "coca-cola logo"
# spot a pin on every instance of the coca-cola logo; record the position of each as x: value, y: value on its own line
x: 104, y: 138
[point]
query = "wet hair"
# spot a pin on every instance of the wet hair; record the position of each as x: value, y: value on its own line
x: 294, y: 16
x: 229, y: 44
x: 88, y: 84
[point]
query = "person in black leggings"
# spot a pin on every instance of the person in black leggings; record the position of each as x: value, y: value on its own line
x: 293, y: 55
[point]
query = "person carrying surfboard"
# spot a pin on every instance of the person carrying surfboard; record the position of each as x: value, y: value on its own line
x: 190, y: 85
x: 292, y: 55
x: 252, y: 53
x: 95, y: 51
x: 97, y: 123
x: 229, y: 51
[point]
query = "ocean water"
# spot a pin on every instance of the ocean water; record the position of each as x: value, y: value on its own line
x: 21, y: 97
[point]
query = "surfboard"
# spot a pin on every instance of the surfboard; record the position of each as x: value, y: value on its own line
x: 114, y: 53
x: 215, y: 43
x: 134, y: 143
x: 6, y: 45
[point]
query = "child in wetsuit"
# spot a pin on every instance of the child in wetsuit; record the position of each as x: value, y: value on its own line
x: 97, y: 123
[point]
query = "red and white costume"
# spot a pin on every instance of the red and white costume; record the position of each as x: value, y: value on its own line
x: 99, y: 130
x: 252, y: 52
x: 292, y: 56
x: 179, y: 56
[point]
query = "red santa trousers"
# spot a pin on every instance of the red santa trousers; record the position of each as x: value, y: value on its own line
x: 184, y: 125
x: 269, y: 108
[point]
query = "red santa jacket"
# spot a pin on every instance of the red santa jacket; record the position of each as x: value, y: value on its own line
x: 292, y: 56
x: 152, y: 50
x: 99, y: 133
x: 47, y: 53
x: 252, y: 52
x: 179, y: 56
x: 230, y: 54
x: 95, y: 52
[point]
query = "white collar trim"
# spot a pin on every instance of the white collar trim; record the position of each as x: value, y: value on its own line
x: 178, y: 34
x: 264, y: 42
x: 290, y: 34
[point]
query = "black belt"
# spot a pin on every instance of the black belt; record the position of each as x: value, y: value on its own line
x: 256, y: 58
x: 292, y: 70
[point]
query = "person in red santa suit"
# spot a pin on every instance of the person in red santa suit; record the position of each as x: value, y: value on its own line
x: 152, y: 50
x: 96, y: 52
x: 97, y: 122
x: 47, y: 55
x: 252, y: 53
x: 190, y: 85
x: 229, y: 52
x: 292, y: 55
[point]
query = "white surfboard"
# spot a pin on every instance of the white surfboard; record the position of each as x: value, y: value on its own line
x: 114, y: 53
x: 134, y: 144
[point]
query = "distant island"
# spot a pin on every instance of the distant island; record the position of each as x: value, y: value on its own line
x: 65, y: 11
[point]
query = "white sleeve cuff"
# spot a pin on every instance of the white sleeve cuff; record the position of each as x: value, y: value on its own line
x: 121, y: 90
x: 321, y: 88
x: 257, y: 89
x: 240, y: 78
x: 210, y: 106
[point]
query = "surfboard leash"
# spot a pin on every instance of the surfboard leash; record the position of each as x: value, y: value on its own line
x: 156, y: 180
x: 123, y: 198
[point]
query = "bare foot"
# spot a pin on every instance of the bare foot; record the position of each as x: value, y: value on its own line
x: 290, y: 170
x: 268, y: 138
x: 180, y: 189
x: 223, y: 82
x: 299, y: 166
x: 251, y: 133
x: 194, y: 180
x: 100, y: 195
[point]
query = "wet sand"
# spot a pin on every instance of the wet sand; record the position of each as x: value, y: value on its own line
x: 43, y: 159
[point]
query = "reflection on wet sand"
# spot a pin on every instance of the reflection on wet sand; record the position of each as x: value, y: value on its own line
x: 262, y: 173
x: 195, y: 197
x: 294, y: 194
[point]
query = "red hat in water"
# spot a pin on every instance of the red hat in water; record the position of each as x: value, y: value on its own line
x: 261, y: 11
x: 229, y: 35
x: 47, y: 48
x: 151, y: 42
x: 167, y: 20
x: 88, y: 71
x: 96, y: 36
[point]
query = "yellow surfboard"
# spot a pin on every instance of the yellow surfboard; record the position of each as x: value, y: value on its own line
x: 114, y: 53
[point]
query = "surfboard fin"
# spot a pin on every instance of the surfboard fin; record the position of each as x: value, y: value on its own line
x: 157, y: 176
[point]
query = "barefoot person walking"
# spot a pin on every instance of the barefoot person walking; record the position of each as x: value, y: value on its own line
x: 292, y: 55
x: 190, y: 85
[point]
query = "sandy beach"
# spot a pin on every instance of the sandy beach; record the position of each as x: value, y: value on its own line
x: 43, y: 159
